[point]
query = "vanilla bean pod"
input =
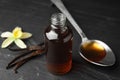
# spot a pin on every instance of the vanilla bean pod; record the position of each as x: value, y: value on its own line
x: 33, y: 54
x: 28, y: 50
x: 10, y: 64
x: 32, y: 51
x: 18, y: 65
x: 23, y: 61
x: 35, y: 47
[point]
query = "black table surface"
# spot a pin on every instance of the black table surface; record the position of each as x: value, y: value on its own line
x: 99, y: 19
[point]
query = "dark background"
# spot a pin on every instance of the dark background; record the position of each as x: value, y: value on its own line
x: 99, y: 19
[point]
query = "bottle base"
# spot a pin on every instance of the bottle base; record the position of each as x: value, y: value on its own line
x: 60, y: 69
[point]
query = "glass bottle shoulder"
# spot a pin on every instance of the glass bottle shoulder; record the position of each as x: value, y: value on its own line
x: 63, y: 34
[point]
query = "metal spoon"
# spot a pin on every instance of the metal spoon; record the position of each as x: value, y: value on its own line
x: 95, y: 47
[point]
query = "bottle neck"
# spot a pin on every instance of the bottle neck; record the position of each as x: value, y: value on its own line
x: 58, y: 20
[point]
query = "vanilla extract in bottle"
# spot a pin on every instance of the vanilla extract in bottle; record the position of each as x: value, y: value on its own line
x: 58, y: 40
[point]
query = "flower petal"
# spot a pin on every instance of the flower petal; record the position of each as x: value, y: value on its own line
x: 7, y: 42
x: 6, y: 34
x: 20, y: 43
x: 26, y: 35
x: 17, y: 32
x: 17, y: 29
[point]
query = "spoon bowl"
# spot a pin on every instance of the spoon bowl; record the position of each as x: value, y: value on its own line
x: 97, y: 52
x: 93, y: 51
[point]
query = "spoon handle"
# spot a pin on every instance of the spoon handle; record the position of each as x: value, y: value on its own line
x: 59, y: 4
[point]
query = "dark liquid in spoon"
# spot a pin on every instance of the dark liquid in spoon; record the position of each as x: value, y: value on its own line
x: 93, y: 51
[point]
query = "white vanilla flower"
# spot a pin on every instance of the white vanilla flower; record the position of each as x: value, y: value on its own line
x: 15, y: 36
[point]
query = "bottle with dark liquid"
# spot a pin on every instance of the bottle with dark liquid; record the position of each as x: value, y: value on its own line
x: 58, y: 40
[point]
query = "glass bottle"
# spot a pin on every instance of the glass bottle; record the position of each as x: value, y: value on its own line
x: 58, y: 40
